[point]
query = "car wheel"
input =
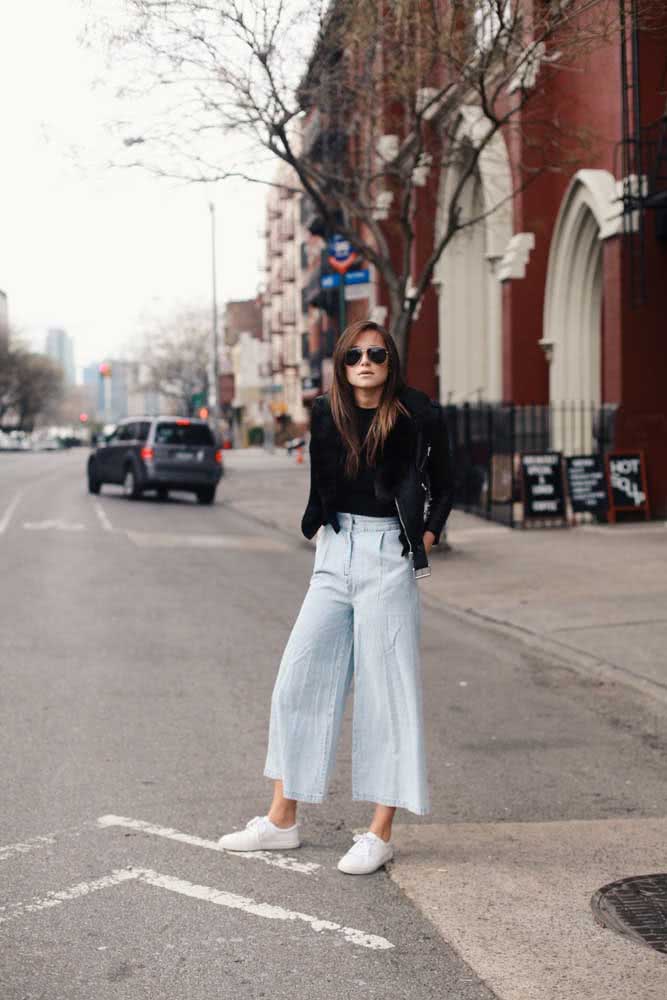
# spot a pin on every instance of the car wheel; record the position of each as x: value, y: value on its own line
x: 206, y: 495
x: 130, y: 486
x: 162, y: 493
x: 94, y: 485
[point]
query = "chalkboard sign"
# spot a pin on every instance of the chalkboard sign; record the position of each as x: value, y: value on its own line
x: 542, y: 485
x: 626, y: 473
x: 587, y: 484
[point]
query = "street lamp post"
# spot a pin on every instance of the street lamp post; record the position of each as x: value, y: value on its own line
x: 214, y: 380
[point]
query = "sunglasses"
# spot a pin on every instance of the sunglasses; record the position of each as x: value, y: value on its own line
x: 378, y: 355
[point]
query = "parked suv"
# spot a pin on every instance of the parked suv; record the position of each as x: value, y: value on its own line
x: 158, y: 453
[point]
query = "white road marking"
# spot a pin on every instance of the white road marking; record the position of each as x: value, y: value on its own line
x: 267, y: 910
x: 101, y: 513
x: 6, y: 517
x: 245, y: 543
x: 194, y: 891
x: 51, y: 899
x: 53, y: 524
x: 268, y: 857
x: 7, y: 850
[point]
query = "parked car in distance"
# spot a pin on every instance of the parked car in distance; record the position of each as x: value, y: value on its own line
x: 158, y: 454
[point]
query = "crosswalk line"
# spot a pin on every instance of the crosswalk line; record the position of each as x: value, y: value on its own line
x: 268, y: 857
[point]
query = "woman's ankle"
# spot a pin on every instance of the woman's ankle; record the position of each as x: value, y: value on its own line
x: 282, y: 819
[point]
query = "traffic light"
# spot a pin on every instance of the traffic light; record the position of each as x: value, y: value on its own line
x: 203, y: 412
x: 83, y: 417
x: 105, y: 369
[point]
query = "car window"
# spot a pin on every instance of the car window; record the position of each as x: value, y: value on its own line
x: 126, y: 432
x: 183, y: 434
x: 143, y: 428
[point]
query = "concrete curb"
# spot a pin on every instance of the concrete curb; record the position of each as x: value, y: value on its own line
x: 566, y: 655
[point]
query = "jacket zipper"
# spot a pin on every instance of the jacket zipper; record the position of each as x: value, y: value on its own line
x: 402, y: 525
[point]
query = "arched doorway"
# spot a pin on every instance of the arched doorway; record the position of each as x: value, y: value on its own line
x: 573, y: 304
x: 469, y: 293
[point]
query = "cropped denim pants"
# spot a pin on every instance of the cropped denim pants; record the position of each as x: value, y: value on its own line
x: 360, y: 620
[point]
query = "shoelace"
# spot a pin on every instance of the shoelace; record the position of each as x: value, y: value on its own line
x: 255, y: 821
x: 365, y: 840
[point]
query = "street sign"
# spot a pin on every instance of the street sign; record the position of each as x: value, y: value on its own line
x: 358, y: 277
x: 330, y: 281
x: 353, y: 292
x: 586, y: 484
x: 542, y: 485
x: 341, y: 255
x: 339, y: 247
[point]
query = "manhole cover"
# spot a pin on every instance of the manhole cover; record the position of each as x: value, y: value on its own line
x: 635, y: 907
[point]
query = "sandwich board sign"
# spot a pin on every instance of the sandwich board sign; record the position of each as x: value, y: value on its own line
x: 542, y: 486
x: 587, y: 484
x: 626, y: 480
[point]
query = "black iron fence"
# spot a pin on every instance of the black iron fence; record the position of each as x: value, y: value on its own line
x: 488, y: 438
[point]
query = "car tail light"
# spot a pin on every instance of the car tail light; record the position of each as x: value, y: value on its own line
x: 182, y: 423
x: 218, y: 456
x: 147, y: 454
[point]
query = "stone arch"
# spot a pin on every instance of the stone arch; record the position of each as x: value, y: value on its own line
x: 573, y: 299
x: 469, y: 307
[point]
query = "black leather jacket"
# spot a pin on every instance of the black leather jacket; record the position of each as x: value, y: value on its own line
x: 415, y: 470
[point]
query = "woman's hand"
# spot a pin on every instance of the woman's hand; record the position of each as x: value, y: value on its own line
x: 428, y: 539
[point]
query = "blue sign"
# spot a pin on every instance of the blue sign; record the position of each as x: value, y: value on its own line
x: 357, y: 277
x: 339, y: 247
x: 330, y: 281
x: 361, y: 277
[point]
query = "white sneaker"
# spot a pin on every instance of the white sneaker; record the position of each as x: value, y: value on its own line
x: 368, y: 853
x: 261, y: 834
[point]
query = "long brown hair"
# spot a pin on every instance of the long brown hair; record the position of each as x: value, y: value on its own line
x: 341, y: 396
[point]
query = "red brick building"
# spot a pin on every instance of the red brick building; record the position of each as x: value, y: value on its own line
x: 557, y: 296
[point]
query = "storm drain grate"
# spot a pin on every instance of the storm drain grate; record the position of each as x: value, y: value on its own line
x: 635, y: 907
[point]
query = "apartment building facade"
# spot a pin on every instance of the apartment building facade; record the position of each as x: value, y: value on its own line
x: 554, y: 297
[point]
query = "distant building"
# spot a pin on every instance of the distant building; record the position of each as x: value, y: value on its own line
x: 242, y: 316
x: 60, y: 346
x: 283, y: 314
x: 247, y: 356
x: 122, y: 393
x: 93, y: 380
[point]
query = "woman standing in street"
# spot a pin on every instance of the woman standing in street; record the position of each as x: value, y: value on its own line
x: 381, y: 491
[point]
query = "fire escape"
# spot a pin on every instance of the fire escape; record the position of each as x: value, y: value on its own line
x: 643, y: 156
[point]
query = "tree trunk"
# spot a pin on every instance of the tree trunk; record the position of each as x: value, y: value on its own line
x: 400, y: 331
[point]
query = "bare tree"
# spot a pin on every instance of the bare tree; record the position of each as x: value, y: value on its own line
x: 30, y: 385
x: 363, y: 100
x: 174, y: 358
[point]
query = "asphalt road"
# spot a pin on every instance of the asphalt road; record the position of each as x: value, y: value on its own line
x: 139, y: 643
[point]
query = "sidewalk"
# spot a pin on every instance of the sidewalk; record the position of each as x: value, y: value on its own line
x: 595, y: 595
x: 513, y: 898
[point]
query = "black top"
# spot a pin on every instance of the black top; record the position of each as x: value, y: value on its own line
x: 357, y: 496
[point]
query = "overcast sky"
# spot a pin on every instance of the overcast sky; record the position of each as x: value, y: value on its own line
x: 82, y: 246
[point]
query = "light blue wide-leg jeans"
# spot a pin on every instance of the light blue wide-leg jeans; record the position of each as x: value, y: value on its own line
x: 360, y: 620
